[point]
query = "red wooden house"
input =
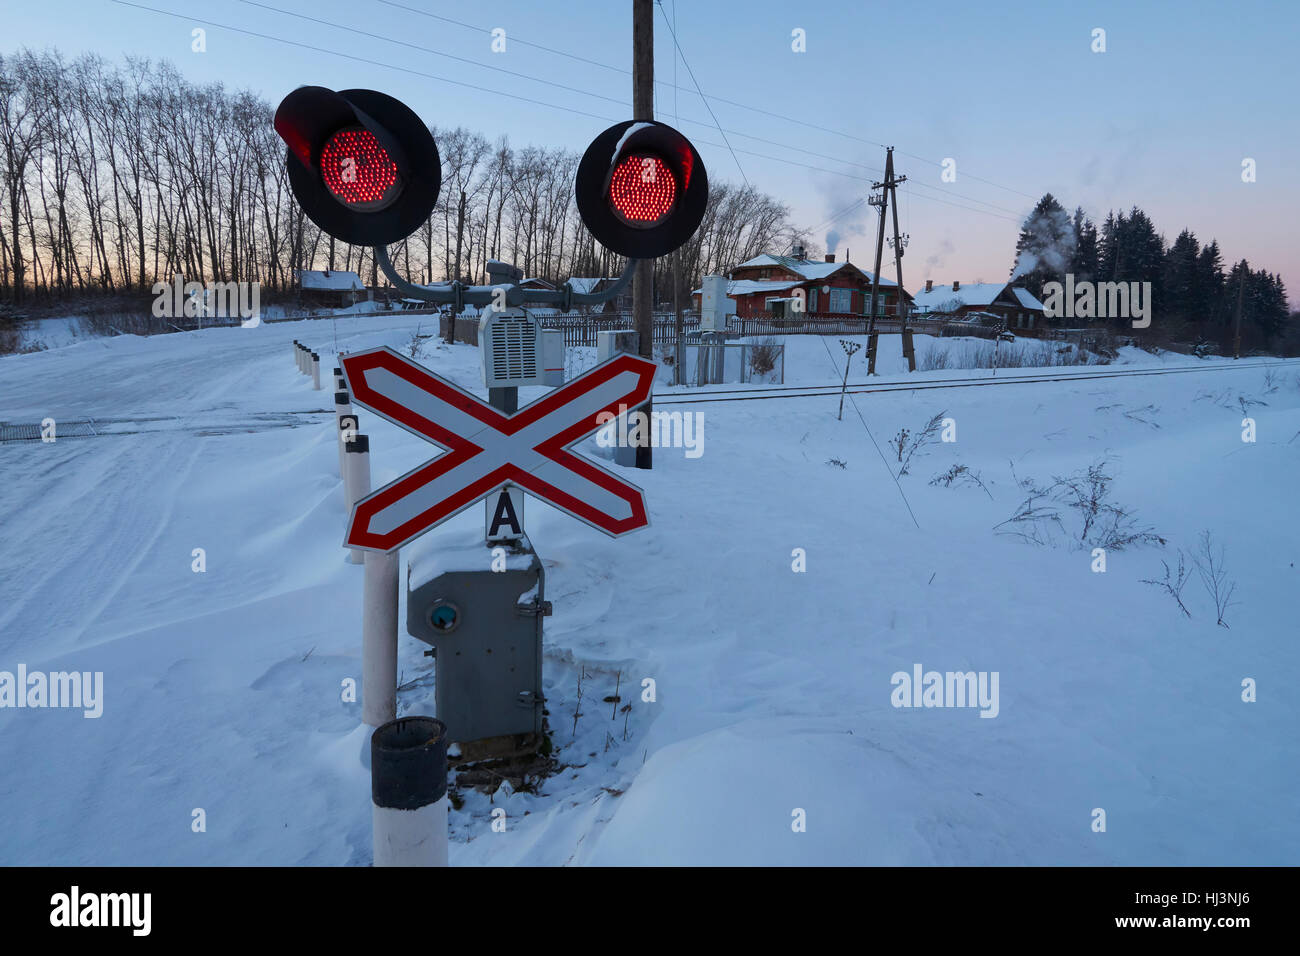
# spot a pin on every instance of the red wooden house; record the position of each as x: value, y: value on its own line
x: 768, y: 284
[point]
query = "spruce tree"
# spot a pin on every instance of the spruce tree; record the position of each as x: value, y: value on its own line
x: 1084, y: 262
x: 1209, y: 288
x: 1045, y: 246
x: 1179, y: 280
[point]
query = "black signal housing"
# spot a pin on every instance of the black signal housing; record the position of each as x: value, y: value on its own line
x: 623, y: 199
x: 362, y: 164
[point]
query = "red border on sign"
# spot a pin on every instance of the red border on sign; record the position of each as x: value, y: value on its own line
x: 459, y: 449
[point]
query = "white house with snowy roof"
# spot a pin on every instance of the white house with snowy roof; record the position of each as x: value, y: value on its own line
x: 766, y: 283
x: 333, y: 287
x: 1016, y: 306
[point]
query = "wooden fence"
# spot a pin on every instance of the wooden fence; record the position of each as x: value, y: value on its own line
x: 580, y: 330
x: 813, y: 324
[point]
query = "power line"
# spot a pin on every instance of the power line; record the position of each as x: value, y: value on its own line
x: 609, y: 99
x: 515, y: 39
x: 862, y: 419
x: 361, y: 59
x: 519, y: 98
x: 691, y: 73
x: 430, y: 50
x: 718, y: 99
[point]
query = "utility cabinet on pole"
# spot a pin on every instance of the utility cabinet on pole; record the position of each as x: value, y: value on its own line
x: 482, y: 614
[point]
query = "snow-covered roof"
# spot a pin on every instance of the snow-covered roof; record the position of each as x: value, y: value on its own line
x: 587, y: 284
x: 335, y: 281
x: 974, y: 294
x: 806, y: 267
x: 751, y: 286
x: 1027, y: 298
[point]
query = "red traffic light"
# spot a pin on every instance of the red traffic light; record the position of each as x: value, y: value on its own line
x: 358, y: 170
x: 362, y: 165
x: 641, y: 189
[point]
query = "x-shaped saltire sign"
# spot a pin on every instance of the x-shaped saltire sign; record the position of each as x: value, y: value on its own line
x: 484, y: 449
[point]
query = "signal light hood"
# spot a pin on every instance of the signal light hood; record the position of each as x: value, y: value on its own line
x: 306, y: 120
x: 592, y: 189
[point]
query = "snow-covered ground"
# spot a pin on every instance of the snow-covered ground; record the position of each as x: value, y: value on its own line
x: 774, y: 690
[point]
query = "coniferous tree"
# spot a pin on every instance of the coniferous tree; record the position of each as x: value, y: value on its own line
x: 1179, y: 281
x: 1108, y: 247
x: 1045, y: 246
x: 1084, y: 262
x: 1144, y: 251
x: 1209, y: 288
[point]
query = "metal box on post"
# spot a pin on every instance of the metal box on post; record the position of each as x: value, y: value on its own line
x: 486, y: 628
x: 552, y: 356
x: 510, y: 343
x: 715, y: 307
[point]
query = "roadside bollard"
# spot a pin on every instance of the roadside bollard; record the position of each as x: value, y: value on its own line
x: 342, y: 410
x: 356, y: 484
x: 315, y: 371
x: 408, y: 792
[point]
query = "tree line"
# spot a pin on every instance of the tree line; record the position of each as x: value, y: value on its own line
x: 115, y: 176
x: 1193, y: 297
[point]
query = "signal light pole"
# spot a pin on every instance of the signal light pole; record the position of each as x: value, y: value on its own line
x: 643, y: 93
x: 366, y: 170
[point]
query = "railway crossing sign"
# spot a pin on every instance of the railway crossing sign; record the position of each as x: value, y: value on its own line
x: 486, y: 450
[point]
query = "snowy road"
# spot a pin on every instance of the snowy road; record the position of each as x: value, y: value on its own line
x: 773, y: 687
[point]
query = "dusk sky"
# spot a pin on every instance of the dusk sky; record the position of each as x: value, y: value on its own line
x: 1163, y: 119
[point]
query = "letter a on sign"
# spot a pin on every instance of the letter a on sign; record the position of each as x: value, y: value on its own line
x: 505, y: 523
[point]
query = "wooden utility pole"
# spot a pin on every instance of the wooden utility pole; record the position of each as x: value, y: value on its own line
x: 872, y: 336
x: 899, y: 245
x: 888, y: 193
x: 882, y: 200
x: 643, y: 108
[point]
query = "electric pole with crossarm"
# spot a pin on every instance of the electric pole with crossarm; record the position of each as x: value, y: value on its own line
x: 887, y: 196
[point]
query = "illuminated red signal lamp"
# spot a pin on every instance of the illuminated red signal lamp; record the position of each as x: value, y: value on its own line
x: 641, y: 189
x: 362, y: 165
x: 358, y: 171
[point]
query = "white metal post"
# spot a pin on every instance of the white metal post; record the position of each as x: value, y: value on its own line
x: 379, y: 638
x: 379, y: 607
x: 342, y: 410
x: 356, y: 484
x: 315, y: 371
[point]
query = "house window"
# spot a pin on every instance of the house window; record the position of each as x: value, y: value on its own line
x: 764, y: 273
x: 812, y: 299
x: 841, y: 300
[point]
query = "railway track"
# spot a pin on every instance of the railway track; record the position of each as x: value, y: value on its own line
x: 862, y: 388
x: 228, y: 424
